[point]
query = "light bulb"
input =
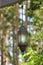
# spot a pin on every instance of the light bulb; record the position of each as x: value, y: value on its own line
x: 23, y: 38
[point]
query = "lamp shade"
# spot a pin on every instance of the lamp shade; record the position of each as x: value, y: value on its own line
x: 22, y: 38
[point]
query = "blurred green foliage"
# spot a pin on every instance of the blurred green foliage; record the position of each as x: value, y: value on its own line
x: 33, y: 57
x: 35, y: 10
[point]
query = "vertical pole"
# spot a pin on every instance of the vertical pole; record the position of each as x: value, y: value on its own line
x: 2, y: 37
x: 13, y: 44
x: 26, y: 13
x: 16, y: 28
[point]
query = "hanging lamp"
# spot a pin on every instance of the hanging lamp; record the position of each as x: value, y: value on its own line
x: 22, y: 36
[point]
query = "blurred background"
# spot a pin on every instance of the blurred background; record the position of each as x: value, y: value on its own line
x: 33, y: 55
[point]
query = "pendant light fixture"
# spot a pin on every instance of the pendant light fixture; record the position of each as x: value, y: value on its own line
x: 22, y: 35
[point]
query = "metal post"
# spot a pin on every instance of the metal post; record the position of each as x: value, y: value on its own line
x: 13, y: 43
x: 16, y: 29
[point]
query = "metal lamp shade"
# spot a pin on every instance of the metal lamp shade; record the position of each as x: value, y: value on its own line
x: 22, y: 38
